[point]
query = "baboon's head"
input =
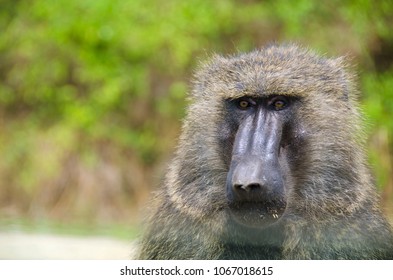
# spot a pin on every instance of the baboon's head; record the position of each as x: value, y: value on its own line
x: 265, y: 129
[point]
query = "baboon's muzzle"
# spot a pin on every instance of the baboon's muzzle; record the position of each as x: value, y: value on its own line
x: 255, y: 187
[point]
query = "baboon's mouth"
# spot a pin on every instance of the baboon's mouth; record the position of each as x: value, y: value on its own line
x: 257, y: 214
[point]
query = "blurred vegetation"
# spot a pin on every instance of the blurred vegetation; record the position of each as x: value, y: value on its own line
x: 92, y: 92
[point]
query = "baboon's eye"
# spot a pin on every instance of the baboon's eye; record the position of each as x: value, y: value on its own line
x: 279, y: 102
x: 245, y: 103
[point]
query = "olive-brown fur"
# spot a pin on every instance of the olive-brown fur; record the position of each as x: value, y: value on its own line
x: 332, y: 207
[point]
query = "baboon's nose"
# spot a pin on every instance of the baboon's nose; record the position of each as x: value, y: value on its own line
x: 253, y: 179
x: 248, y: 187
x: 255, y: 191
x: 248, y: 181
x: 249, y: 192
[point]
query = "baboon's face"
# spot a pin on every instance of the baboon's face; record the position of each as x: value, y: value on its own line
x: 267, y: 136
x: 262, y: 137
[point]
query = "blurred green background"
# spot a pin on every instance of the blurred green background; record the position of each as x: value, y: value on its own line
x: 92, y: 93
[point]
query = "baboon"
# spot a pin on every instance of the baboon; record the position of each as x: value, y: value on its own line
x: 270, y: 165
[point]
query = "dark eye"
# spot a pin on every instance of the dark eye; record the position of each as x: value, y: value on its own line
x: 279, y: 102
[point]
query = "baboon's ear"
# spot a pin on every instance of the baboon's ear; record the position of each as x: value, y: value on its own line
x: 344, y: 77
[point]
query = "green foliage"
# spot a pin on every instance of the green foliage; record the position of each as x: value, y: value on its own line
x: 378, y: 92
x: 103, y: 82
